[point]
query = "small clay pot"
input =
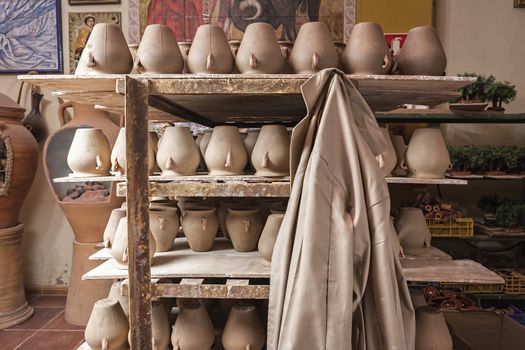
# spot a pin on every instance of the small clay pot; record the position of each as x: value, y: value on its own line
x: 387, y: 159
x: 118, y: 155
x: 431, y: 330
x: 222, y: 213
x: 259, y: 52
x: 158, y: 52
x: 427, y: 154
x: 193, y: 329
x: 244, y: 227
x: 89, y: 153
x: 412, y: 229
x: 271, y: 154
x: 243, y: 330
x: 164, y: 225
x: 178, y: 153
x: 111, y: 227
x: 184, y: 48
x: 119, y: 247
x: 226, y: 153
x: 200, y: 227
x: 210, y: 52
x: 269, y: 236
x: 119, y: 293
x: 108, y: 327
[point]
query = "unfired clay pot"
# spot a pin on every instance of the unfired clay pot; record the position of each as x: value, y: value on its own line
x: 422, y: 53
x: 118, y: 291
x: 164, y: 225
x: 89, y: 153
x: 427, y: 155
x: 400, y: 147
x: 184, y: 48
x: 222, y: 213
x: 106, y: 52
x: 269, y: 235
x: 200, y: 227
x: 111, y: 227
x: 119, y: 248
x: 412, y: 229
x: 286, y: 50
x: 271, y: 154
x: 118, y: 155
x: 387, y: 159
x: 243, y: 330
x: 193, y: 329
x: 210, y: 52
x: 367, y: 51
x: 178, y: 153
x: 244, y: 227
x: 158, y: 51
x: 259, y: 52
x: 160, y: 327
x: 313, y: 49
x: 226, y: 153
x: 107, y: 328
x: 431, y: 330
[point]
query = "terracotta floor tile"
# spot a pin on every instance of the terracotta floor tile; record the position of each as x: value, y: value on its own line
x: 59, y: 323
x: 39, y: 318
x: 10, y: 339
x: 53, y: 340
x: 49, y: 301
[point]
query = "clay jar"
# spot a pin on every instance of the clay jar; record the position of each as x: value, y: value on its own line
x: 222, y: 213
x: 243, y: 330
x: 313, y: 49
x: 244, y: 227
x: 259, y: 52
x: 107, y: 328
x: 119, y: 247
x: 210, y: 52
x: 200, y: 227
x: 106, y: 52
x: 160, y: 327
x: 193, y: 329
x: 422, y: 53
x: 111, y: 227
x: 164, y: 225
x: 387, y: 159
x: 412, y: 229
x: 158, y: 51
x: 119, y: 293
x: 178, y: 153
x: 184, y: 48
x: 431, y: 330
x: 118, y: 154
x: 226, y: 153
x: 269, y: 236
x: 367, y: 51
x: 427, y: 155
x: 89, y: 153
x: 271, y: 154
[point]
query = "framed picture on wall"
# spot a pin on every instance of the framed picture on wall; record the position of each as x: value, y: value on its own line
x: 30, y: 36
x: 519, y: 3
x: 93, y: 2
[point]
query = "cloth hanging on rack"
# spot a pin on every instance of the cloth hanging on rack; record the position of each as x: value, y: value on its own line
x: 336, y: 282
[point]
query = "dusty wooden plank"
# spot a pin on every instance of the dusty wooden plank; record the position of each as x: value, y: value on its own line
x: 62, y: 82
x: 417, y: 181
x: 198, y: 178
x: 214, y: 291
x: 191, y: 281
x: 237, y: 282
x: 429, y: 253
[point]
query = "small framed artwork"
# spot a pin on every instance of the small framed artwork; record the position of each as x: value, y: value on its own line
x: 519, y: 3
x: 93, y: 2
x: 30, y: 36
x: 80, y: 26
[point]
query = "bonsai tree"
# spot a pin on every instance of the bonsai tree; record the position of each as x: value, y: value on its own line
x: 501, y: 93
x: 477, y: 158
x: 479, y: 91
x: 511, y: 158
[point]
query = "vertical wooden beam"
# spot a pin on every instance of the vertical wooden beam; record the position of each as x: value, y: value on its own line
x: 139, y: 273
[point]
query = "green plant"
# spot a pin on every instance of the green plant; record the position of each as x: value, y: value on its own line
x: 479, y: 91
x: 506, y: 212
x: 511, y: 158
x: 501, y: 92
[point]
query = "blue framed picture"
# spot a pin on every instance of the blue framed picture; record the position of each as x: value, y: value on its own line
x: 30, y: 36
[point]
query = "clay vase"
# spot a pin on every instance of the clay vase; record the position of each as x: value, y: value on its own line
x: 184, y: 48
x: 106, y: 52
x: 226, y: 153
x: 422, y: 53
x: 193, y: 329
x: 34, y: 121
x: 412, y: 229
x: 244, y: 227
x: 286, y: 50
x: 367, y: 51
x: 118, y: 155
x: 269, y: 236
x: 119, y: 293
x: 210, y: 52
x: 119, y: 248
x: 259, y: 52
x: 427, y: 154
x: 200, y: 227
x: 431, y: 330
x: 108, y: 327
x: 271, y: 154
x: 313, y: 49
x: 400, y: 148
x: 89, y: 154
x: 111, y: 227
x: 160, y: 327
x: 178, y: 153
x: 222, y: 213
x: 243, y: 330
x: 164, y: 225
x: 21, y: 154
x: 158, y: 52
x: 387, y: 159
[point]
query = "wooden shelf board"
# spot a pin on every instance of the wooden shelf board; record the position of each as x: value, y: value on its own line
x: 439, y: 116
x: 101, y: 255
x: 205, y: 178
x: 417, y: 181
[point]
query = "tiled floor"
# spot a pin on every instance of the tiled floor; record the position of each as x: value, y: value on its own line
x: 45, y: 330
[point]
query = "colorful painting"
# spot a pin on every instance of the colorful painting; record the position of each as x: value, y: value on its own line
x: 286, y: 16
x: 30, y: 37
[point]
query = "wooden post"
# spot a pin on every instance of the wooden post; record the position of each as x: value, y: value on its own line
x: 136, y: 110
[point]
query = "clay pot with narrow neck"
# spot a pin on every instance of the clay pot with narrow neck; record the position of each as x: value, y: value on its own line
x: 412, y: 229
x: 164, y: 225
x: 422, y: 53
x: 313, y: 49
x: 387, y: 159
x: 158, y: 52
x: 210, y: 52
x: 269, y: 236
x: 367, y: 51
x: 89, y: 154
x: 108, y: 327
x: 427, y: 155
x: 286, y: 50
x: 178, y: 153
x: 118, y: 291
x: 244, y: 227
x: 111, y: 226
x: 118, y: 154
x: 200, y: 227
x: 34, y: 121
x: 226, y: 153
x: 193, y: 329
x: 259, y: 52
x: 431, y: 330
x: 271, y: 154
x: 243, y: 329
x: 400, y: 148
x: 119, y: 248
x: 106, y: 52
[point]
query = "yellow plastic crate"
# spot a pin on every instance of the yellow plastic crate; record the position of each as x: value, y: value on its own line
x: 474, y: 288
x: 461, y: 228
x: 514, y: 282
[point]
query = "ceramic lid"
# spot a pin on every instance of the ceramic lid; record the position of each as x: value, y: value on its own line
x: 9, y: 108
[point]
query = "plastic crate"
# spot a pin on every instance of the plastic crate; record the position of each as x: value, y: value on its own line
x: 474, y: 288
x: 460, y: 228
x: 514, y: 282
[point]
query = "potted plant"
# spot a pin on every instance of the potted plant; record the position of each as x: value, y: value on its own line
x: 474, y: 97
x: 501, y: 92
x: 502, y: 212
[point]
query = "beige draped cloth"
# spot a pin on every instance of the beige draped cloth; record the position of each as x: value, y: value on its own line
x: 336, y: 282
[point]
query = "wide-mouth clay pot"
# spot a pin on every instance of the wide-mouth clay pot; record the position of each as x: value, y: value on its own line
x: 200, y: 226
x: 164, y: 225
x: 244, y: 227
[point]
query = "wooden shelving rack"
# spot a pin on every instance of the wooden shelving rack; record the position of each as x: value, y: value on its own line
x: 245, y: 101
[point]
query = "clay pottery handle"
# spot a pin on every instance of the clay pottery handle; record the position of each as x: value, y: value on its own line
x: 115, y: 165
x: 91, y: 60
x: 315, y: 61
x: 99, y: 162
x: 170, y: 163
x: 210, y: 62
x: 204, y: 224
x: 138, y: 67
x: 162, y: 222
x: 265, y: 160
x: 247, y: 224
x: 253, y: 61
x: 387, y: 61
x: 105, y: 344
x: 62, y: 110
x: 228, y: 162
x: 248, y: 347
